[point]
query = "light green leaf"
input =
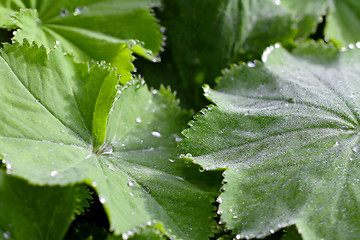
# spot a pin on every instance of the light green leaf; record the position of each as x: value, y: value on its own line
x: 342, y: 16
x: 288, y: 132
x: 53, y: 121
x: 153, y: 232
x: 34, y: 212
x: 95, y: 29
x: 343, y: 21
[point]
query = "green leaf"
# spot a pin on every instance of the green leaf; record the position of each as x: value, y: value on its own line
x: 206, y: 36
x: 342, y: 16
x: 96, y: 29
x: 308, y: 14
x: 342, y: 22
x: 54, y: 116
x: 34, y: 212
x: 155, y: 232
x: 288, y: 132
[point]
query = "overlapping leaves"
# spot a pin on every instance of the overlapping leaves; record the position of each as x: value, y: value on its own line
x: 29, y: 212
x: 288, y: 132
x: 60, y: 125
x: 95, y: 29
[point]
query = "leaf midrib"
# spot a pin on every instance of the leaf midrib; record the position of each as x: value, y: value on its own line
x: 223, y: 151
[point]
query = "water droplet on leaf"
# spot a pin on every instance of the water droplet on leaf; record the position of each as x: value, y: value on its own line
x: 53, y: 173
x: 6, y: 235
x: 131, y: 183
x: 64, y: 12
x: 156, y: 134
x: 102, y: 199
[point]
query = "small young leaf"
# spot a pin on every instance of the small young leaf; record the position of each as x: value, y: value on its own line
x: 288, y: 132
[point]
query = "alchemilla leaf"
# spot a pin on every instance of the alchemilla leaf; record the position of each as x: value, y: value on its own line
x: 34, y: 212
x: 342, y: 16
x: 92, y: 29
x: 288, y: 132
x: 63, y: 122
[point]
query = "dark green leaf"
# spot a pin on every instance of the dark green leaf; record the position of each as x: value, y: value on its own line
x: 206, y: 36
x: 34, y: 212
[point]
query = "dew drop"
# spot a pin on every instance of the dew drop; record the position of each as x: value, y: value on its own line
x: 8, y: 167
x: 6, y: 235
x: 125, y: 236
x: 345, y: 127
x: 201, y: 169
x: 102, y: 199
x: 180, y: 178
x: 251, y: 64
x: 62, y: 131
x: 355, y: 148
x: 131, y: 184
x: 272, y: 231
x: 36, y: 100
x: 351, y: 46
x: 53, y: 173
x: 156, y: 134
x: 64, y: 12
x: 277, y: 2
x: 357, y: 44
x: 77, y: 12
x: 138, y: 120
x: 219, y: 200
x: 238, y: 236
x: 94, y: 184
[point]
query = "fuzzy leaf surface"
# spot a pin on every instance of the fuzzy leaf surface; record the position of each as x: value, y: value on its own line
x: 63, y: 122
x: 91, y: 29
x: 34, y: 212
x: 288, y: 132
